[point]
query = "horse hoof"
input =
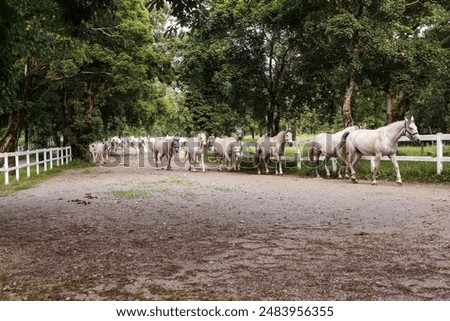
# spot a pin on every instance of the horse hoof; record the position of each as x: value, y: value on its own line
x: 399, y: 183
x: 374, y: 183
x: 354, y: 181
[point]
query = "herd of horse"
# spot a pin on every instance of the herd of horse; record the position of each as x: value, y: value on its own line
x: 347, y: 145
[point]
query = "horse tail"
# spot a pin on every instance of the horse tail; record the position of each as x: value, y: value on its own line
x: 256, y: 156
x: 255, y: 160
x: 312, y: 150
x: 341, y: 149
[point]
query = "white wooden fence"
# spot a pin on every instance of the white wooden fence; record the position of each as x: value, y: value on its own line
x: 437, y: 138
x: 46, y: 157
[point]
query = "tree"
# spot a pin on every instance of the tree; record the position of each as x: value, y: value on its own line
x: 241, y: 58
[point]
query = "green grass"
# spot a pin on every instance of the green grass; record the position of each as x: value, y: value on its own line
x: 423, y: 150
x: 424, y: 172
x: 35, y: 179
x: 133, y: 193
x: 177, y: 181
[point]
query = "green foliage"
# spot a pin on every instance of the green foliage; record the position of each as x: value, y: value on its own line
x: 90, y: 69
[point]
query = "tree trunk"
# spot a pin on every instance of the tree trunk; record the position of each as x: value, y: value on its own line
x: 8, y: 143
x: 270, y: 121
x: 276, y: 123
x: 402, y: 106
x: 347, y: 106
x: 389, y: 100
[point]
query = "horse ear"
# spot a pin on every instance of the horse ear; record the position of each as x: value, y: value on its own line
x: 412, y: 118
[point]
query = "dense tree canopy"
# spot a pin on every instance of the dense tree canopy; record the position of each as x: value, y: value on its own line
x: 85, y: 70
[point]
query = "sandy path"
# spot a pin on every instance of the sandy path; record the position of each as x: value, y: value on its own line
x: 139, y: 233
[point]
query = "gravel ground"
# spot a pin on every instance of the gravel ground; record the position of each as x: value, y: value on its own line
x: 137, y: 233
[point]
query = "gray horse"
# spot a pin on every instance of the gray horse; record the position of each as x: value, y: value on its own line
x: 272, y: 147
x: 193, y: 148
x: 377, y: 142
x: 161, y: 148
x: 327, y: 144
x: 229, y: 149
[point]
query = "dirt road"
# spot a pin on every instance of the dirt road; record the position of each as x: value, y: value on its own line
x: 139, y: 233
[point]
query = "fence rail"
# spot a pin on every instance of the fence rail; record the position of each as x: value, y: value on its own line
x: 438, y: 138
x: 45, y: 157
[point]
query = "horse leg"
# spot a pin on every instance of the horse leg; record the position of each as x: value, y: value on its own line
x: 393, y: 158
x: 195, y: 161
x: 202, y: 157
x: 169, y: 158
x: 280, y: 163
x: 353, y: 164
x: 266, y: 161
x: 155, y: 155
x: 375, y: 168
x: 327, y: 158
x: 256, y: 161
x: 350, y: 156
x: 317, y: 167
x: 228, y: 162
x: 342, y: 168
x: 190, y: 161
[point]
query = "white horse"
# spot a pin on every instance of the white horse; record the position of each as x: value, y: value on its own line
x: 99, y: 151
x: 378, y: 142
x: 196, y: 146
x: 272, y: 146
x: 229, y: 149
x: 115, y: 142
x: 326, y: 143
x: 161, y: 148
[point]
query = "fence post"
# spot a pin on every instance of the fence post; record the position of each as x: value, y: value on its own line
x: 6, y: 160
x: 37, y: 162
x: 439, y: 153
x: 298, y: 157
x: 57, y: 156
x: 51, y: 158
x: 45, y: 160
x: 17, y: 167
x: 28, y: 164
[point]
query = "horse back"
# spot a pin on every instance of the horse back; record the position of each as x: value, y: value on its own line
x: 367, y: 141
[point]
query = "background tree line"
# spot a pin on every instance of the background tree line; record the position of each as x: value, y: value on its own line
x: 88, y: 69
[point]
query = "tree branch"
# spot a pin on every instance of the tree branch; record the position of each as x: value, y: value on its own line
x: 413, y: 3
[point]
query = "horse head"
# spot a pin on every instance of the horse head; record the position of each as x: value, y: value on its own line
x: 176, y: 144
x: 210, y: 144
x: 411, y: 130
x: 239, y: 133
x: 203, y: 140
x: 288, y: 136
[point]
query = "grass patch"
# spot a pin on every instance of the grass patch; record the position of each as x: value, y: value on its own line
x: 424, y: 172
x: 146, y: 189
x: 133, y: 193
x: 224, y: 189
x: 177, y: 181
x: 25, y: 182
